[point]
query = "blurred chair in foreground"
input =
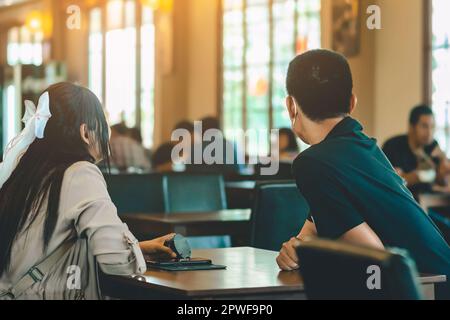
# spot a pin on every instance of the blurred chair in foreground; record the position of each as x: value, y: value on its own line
x: 339, y: 271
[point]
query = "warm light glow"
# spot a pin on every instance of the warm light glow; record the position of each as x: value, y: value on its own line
x: 37, y: 22
x: 259, y: 88
x: 91, y: 3
x: 163, y: 5
x: 166, y: 5
x: 34, y: 21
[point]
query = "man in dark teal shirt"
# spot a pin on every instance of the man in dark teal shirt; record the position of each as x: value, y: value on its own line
x: 354, y: 193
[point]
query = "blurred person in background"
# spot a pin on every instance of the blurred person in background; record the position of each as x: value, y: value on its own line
x: 212, y: 123
x: 162, y: 158
x: 417, y: 156
x: 289, y: 148
x: 135, y: 134
x: 127, y: 153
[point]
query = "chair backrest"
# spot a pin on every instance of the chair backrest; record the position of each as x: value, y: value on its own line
x: 194, y: 192
x: 133, y: 193
x: 279, y: 213
x: 339, y: 271
x: 284, y: 172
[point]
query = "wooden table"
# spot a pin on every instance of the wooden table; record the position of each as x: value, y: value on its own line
x: 250, y: 274
x: 235, y: 223
x: 428, y: 283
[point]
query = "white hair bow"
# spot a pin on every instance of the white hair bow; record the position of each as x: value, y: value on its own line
x: 35, y: 120
x: 39, y: 115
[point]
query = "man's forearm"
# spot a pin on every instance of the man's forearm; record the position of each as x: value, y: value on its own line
x: 308, y: 230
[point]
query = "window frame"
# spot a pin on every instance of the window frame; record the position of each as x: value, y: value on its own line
x: 428, y: 56
x: 139, y: 9
x: 428, y: 34
x: 271, y: 65
x: 36, y: 38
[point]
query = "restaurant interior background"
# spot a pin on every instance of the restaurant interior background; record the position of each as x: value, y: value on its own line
x: 154, y: 63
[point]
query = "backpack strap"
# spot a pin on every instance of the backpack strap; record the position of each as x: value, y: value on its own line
x: 38, y: 272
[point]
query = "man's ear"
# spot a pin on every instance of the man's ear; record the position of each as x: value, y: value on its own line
x: 353, y: 103
x: 291, y: 107
x: 84, y: 133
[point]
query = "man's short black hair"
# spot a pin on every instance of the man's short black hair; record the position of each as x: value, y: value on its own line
x: 419, y: 111
x: 321, y: 82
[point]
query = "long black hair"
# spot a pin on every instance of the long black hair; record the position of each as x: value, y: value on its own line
x: 40, y: 172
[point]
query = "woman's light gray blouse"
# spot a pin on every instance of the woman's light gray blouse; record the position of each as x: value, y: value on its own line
x: 87, y: 216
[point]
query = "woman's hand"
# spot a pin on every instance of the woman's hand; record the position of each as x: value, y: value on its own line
x: 155, y: 249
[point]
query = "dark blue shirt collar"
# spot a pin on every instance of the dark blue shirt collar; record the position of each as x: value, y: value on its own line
x: 346, y: 127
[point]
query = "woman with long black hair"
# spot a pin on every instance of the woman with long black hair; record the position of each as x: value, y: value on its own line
x: 57, y: 221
